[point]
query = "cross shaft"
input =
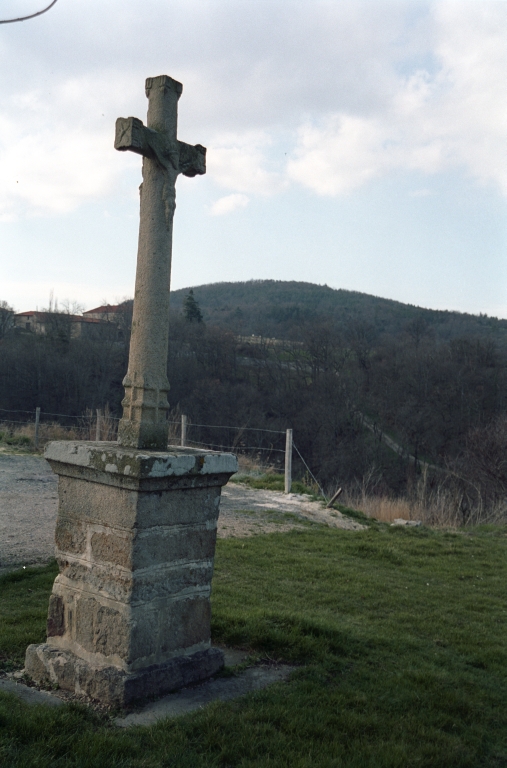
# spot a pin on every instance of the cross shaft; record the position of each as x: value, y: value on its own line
x: 145, y: 405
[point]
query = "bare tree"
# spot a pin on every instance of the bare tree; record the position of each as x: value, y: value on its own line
x: 31, y: 16
x: 58, y: 321
x: 71, y: 307
x: 6, y: 318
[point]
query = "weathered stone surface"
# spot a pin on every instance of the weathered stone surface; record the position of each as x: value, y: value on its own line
x: 174, y: 674
x: 35, y: 667
x: 130, y: 463
x: 70, y: 535
x: 133, y: 636
x: 188, y: 623
x: 165, y: 545
x: 112, y: 547
x: 102, y: 629
x: 56, y: 616
x: 30, y: 696
x: 199, y: 696
x: 144, y: 422
x: 111, y: 685
x: 141, y: 586
x: 135, y: 577
x: 88, y: 500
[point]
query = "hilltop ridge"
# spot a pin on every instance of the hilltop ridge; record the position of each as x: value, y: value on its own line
x: 279, y: 308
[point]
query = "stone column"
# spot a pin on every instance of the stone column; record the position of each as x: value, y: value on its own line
x: 145, y: 406
x: 129, y: 615
x: 144, y: 422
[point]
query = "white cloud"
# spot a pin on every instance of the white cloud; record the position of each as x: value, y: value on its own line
x: 472, y: 46
x: 345, y: 153
x: 453, y: 117
x: 235, y: 161
x: 228, y: 204
x: 362, y: 89
x: 56, y: 152
x: 52, y: 172
x: 325, y: 96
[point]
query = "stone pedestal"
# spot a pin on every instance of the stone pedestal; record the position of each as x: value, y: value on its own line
x: 129, y: 614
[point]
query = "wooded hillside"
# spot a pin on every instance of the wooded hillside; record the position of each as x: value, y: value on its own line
x: 351, y: 374
x: 280, y: 309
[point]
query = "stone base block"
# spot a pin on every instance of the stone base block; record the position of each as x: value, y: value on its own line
x: 130, y: 613
x: 113, y: 686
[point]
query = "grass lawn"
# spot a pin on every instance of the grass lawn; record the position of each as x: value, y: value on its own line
x: 400, y: 638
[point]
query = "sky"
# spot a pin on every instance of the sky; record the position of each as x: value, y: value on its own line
x: 359, y: 144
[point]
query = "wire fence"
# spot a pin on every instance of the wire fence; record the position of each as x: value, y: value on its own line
x: 259, y: 446
x: 39, y: 427
x: 258, y: 449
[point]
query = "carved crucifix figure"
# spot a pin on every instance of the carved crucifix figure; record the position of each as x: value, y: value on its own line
x: 144, y: 422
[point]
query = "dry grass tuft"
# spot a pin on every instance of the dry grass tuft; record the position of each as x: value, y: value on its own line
x: 22, y: 437
x: 251, y: 465
x: 381, y: 508
x: 443, y: 503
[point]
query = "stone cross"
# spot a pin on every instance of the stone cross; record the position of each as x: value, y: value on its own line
x: 145, y: 406
x: 130, y: 613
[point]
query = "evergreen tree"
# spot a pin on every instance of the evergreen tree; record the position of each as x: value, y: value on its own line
x: 191, y: 309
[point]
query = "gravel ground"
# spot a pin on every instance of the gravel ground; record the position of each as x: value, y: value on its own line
x: 28, y: 506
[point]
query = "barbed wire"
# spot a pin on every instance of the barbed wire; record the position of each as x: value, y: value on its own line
x: 254, y: 448
x: 61, y: 415
x: 170, y: 421
x: 235, y: 448
x: 5, y: 410
x: 73, y: 427
x: 224, y: 426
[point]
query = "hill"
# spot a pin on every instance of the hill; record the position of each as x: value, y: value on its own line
x: 277, y: 308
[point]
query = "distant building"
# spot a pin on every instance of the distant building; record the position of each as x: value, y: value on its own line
x: 86, y: 326
x: 108, y: 312
x: 116, y: 315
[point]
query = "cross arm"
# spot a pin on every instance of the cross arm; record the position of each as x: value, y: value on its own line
x: 132, y: 135
x: 192, y: 159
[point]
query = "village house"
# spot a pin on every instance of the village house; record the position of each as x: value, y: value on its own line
x: 104, y: 322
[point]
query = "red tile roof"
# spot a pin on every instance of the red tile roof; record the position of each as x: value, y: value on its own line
x: 103, y: 310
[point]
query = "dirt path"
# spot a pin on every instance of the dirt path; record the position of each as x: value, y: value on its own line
x: 245, y: 512
x: 28, y: 506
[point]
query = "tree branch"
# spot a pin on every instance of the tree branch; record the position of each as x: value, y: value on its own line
x: 32, y: 15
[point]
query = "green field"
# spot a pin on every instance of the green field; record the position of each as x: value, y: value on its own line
x: 399, y: 637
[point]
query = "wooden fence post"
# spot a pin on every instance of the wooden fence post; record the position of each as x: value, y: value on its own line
x: 37, y: 419
x: 97, y: 426
x: 183, y: 430
x: 288, y: 461
x: 332, y: 501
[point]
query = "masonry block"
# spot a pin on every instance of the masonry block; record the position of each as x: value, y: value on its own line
x: 129, y: 616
